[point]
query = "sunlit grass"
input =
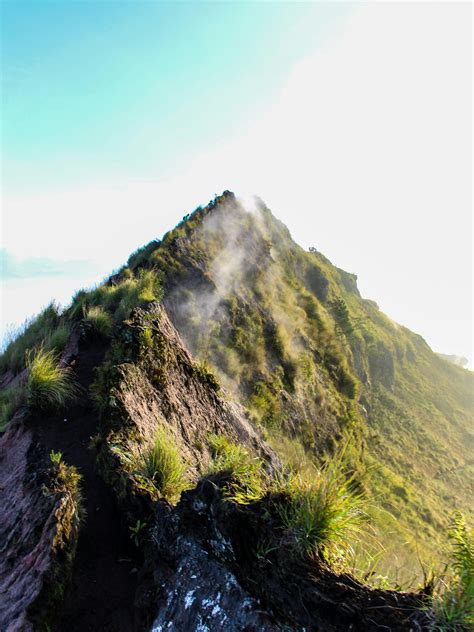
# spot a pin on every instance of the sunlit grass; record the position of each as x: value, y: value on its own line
x: 48, y: 384
x: 161, y: 463
x: 323, y: 514
x: 246, y: 477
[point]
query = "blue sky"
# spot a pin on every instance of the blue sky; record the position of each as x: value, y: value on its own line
x: 352, y: 121
x: 89, y: 84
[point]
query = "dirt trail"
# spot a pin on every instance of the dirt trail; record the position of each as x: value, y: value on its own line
x: 101, y: 596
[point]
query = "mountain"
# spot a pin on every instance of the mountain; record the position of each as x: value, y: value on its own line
x: 175, y: 440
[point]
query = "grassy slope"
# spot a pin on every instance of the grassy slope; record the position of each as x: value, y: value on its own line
x: 290, y: 336
x: 271, y: 319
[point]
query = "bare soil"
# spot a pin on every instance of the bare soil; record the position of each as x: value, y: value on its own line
x: 102, y: 593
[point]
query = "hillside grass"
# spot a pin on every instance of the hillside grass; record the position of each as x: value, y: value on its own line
x: 48, y: 330
x: 48, y: 385
x: 246, y: 478
x: 160, y: 462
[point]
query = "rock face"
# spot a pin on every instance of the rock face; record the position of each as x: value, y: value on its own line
x: 193, y: 569
x: 214, y: 570
x: 33, y: 541
x: 167, y: 387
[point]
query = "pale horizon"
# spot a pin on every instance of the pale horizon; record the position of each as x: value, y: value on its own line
x: 360, y: 145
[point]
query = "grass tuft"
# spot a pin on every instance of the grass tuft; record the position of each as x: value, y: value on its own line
x: 323, y: 513
x: 49, y: 385
x: 246, y: 478
x: 162, y: 464
x: 453, y: 603
x: 99, y: 321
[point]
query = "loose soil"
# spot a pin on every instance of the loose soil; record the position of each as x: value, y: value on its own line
x: 101, y: 595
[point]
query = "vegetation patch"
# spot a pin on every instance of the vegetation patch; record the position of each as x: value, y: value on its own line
x: 323, y: 513
x: 160, y: 463
x: 49, y: 385
x: 453, y: 602
x: 10, y: 400
x: 97, y: 321
x: 206, y: 376
x: 246, y: 482
x: 49, y: 330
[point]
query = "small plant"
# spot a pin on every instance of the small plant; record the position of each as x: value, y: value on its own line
x: 55, y: 457
x: 453, y: 602
x: 48, y: 384
x: 98, y: 321
x: 63, y: 477
x: 246, y: 477
x: 136, y: 532
x: 206, y: 376
x: 322, y: 513
x: 162, y: 464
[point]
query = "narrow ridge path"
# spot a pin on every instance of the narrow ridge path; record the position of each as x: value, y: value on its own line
x: 101, y: 595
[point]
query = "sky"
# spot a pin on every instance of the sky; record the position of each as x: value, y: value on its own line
x: 351, y: 121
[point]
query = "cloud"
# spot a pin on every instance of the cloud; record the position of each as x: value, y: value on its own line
x: 12, y: 267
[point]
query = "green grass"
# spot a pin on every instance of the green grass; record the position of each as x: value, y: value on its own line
x: 161, y: 463
x: 49, y: 386
x: 99, y: 321
x: 453, y: 602
x: 47, y: 329
x: 10, y: 400
x: 246, y: 482
x: 325, y: 513
x: 206, y: 376
x: 118, y: 299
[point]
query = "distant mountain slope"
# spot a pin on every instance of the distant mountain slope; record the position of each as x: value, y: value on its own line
x: 289, y: 333
x: 192, y: 443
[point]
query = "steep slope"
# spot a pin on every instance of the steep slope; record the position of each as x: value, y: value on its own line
x: 191, y: 467
x: 290, y: 335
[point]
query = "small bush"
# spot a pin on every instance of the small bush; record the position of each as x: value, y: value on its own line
x: 48, y: 385
x: 246, y: 480
x: 98, y: 321
x: 453, y: 603
x: 162, y: 464
x: 321, y: 514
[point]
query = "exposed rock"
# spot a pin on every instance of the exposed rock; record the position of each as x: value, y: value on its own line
x: 181, y: 397
x: 214, y: 570
x: 35, y: 531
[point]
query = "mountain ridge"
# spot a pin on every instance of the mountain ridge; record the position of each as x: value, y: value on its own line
x: 226, y: 340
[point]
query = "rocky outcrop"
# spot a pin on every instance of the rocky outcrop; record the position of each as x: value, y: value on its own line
x: 216, y: 568
x: 166, y: 387
x: 38, y: 531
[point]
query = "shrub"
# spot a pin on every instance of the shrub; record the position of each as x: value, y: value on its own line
x: 98, y: 321
x: 162, y: 464
x: 322, y: 513
x: 453, y: 603
x: 48, y: 385
x: 246, y: 480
